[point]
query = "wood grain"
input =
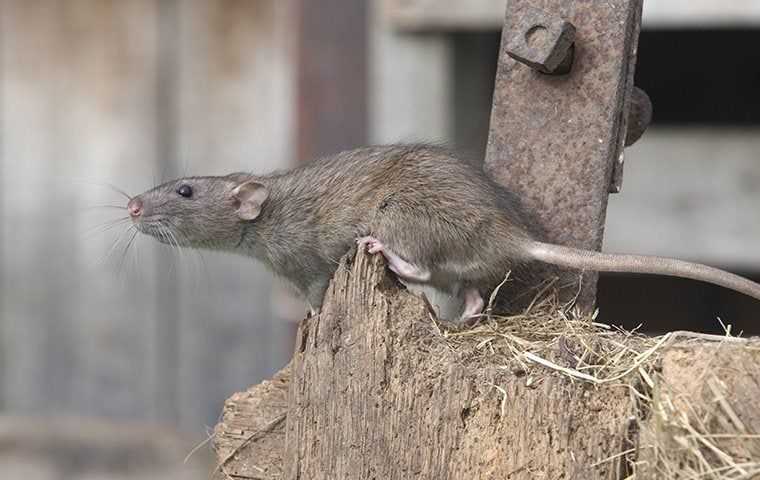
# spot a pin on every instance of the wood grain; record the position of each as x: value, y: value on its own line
x: 374, y: 391
x: 368, y: 399
x: 250, y: 439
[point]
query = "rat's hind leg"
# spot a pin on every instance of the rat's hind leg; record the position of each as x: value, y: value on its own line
x: 315, y: 293
x: 473, y: 303
x: 399, y: 266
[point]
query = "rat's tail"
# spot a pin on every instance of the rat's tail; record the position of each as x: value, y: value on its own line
x: 610, y: 262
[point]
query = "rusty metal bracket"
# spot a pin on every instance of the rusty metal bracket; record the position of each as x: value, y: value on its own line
x: 557, y: 141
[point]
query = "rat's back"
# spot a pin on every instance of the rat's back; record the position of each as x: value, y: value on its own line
x: 426, y: 204
x: 429, y: 175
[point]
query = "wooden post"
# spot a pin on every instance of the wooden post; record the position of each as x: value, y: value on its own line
x: 376, y: 390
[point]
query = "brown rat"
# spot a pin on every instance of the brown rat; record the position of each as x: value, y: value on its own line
x: 437, y: 220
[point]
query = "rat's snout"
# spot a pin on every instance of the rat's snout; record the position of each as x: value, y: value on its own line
x: 135, y: 208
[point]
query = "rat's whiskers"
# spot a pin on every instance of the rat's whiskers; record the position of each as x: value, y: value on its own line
x: 104, y: 207
x: 105, y: 227
x: 126, y: 248
x: 115, y: 244
x: 106, y: 185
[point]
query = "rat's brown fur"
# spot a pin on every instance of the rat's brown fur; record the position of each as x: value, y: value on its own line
x: 314, y: 213
x: 420, y: 201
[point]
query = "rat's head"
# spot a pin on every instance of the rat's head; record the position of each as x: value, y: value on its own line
x: 202, y: 212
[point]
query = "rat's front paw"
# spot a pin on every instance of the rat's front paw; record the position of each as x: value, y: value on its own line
x: 372, y: 244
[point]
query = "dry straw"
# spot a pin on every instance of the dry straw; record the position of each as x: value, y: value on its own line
x: 688, y: 429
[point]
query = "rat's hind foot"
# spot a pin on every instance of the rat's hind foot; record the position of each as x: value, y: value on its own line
x: 372, y: 244
x: 399, y: 266
x: 473, y: 304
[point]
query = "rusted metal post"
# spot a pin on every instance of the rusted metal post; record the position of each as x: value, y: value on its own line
x: 559, y: 117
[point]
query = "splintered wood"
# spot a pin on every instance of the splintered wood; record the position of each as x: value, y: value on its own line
x: 375, y: 392
x: 250, y: 441
x: 378, y: 389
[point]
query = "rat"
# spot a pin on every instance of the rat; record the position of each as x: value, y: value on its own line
x: 436, y: 219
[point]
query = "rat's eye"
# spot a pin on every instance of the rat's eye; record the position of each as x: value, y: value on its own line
x: 185, y: 190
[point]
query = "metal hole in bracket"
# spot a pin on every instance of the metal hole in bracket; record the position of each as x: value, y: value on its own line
x: 536, y: 36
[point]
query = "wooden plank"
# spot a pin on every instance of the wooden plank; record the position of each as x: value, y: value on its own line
x: 332, y: 76
x: 676, y: 190
x: 700, y: 13
x: 235, y: 88
x: 410, y: 84
x: 22, y: 329
x: 447, y: 15
x: 89, y: 91
x: 3, y: 333
x: 77, y: 82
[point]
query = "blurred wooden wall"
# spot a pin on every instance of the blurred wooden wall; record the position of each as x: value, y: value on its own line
x: 130, y: 93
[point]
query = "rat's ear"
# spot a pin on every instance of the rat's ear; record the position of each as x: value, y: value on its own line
x: 250, y: 196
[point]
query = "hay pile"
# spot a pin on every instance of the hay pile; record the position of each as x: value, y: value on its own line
x: 697, y: 412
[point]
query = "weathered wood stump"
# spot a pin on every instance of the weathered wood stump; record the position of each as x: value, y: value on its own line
x: 377, y: 389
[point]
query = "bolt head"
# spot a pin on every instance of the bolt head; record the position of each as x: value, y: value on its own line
x: 543, y: 42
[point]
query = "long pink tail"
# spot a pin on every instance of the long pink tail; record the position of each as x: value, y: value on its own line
x: 578, y: 259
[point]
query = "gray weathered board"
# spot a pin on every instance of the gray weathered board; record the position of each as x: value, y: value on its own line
x: 438, y: 15
x: 128, y: 93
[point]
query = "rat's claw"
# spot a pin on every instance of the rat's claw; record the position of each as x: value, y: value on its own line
x: 372, y: 244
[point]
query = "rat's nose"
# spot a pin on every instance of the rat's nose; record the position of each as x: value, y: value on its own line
x: 135, y: 207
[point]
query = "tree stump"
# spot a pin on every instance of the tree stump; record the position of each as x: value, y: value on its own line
x: 378, y: 389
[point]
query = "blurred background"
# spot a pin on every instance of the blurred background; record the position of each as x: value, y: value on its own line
x: 115, y: 363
